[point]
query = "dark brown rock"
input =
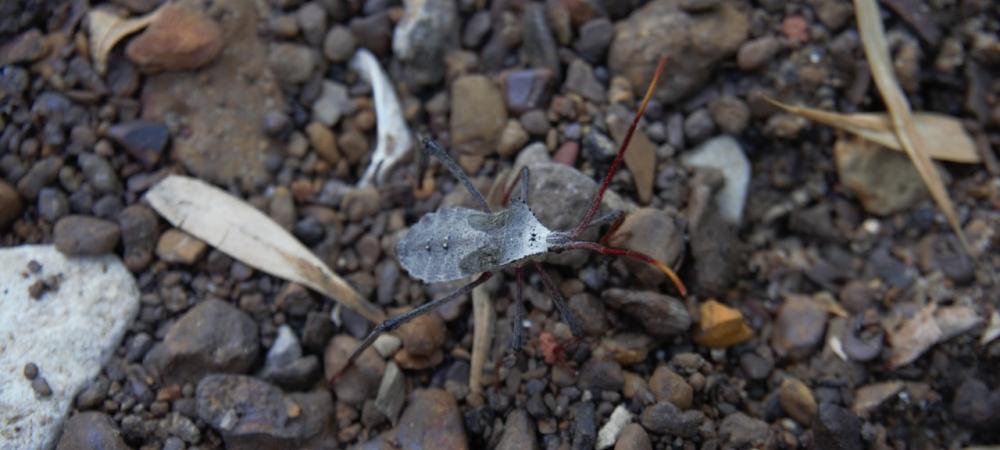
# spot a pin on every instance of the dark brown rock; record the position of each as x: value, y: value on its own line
x: 85, y: 235
x: 667, y: 385
x: 431, y: 421
x: 252, y: 414
x: 11, y: 205
x: 212, y: 337
x: 140, y: 233
x: 660, y: 315
x: 633, y: 437
x: 90, y: 430
x: 799, y: 328
x: 355, y: 383
x: 181, y: 37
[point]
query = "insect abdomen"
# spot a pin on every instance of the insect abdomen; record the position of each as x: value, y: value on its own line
x: 434, y: 248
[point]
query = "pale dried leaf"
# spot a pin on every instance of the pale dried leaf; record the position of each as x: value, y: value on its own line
x: 992, y: 330
x: 930, y: 326
x: 955, y: 320
x: 877, y: 51
x: 914, y: 337
x: 830, y: 304
x: 244, y: 233
x: 944, y: 135
x: 869, y: 397
x: 393, y: 136
x: 483, y: 316
x: 107, y: 28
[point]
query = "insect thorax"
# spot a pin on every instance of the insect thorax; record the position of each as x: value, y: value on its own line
x: 454, y: 243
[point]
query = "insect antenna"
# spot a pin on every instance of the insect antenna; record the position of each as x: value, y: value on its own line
x: 604, y: 250
x: 455, y: 170
x: 595, y: 204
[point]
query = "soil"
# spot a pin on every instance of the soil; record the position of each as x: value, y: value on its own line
x: 830, y: 304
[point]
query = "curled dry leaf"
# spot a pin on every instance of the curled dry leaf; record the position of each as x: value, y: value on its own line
x: 930, y: 326
x: 484, y: 315
x: 877, y: 51
x: 944, y: 135
x: 393, y: 136
x: 107, y: 28
x: 244, y: 233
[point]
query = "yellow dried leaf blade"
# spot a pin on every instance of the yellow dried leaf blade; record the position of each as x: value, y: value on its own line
x: 944, y: 135
x: 877, y: 51
x: 484, y: 317
x: 107, y: 28
x: 248, y: 235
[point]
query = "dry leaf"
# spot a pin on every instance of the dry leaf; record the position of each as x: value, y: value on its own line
x: 992, y: 330
x: 721, y: 326
x: 393, y: 136
x: 241, y: 231
x: 869, y: 397
x: 484, y: 315
x: 930, y: 326
x: 107, y: 28
x: 944, y: 135
x: 877, y: 52
x: 830, y: 304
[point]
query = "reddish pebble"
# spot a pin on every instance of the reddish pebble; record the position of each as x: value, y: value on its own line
x: 550, y: 348
x: 795, y: 29
x: 567, y: 152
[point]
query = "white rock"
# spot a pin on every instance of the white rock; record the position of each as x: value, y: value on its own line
x: 69, y: 333
x: 284, y: 351
x: 387, y: 344
x: 616, y: 423
x: 332, y: 104
x: 725, y: 154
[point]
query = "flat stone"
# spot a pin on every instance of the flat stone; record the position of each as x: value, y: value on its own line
x: 91, y: 430
x: 633, y: 437
x: 800, y: 326
x: 885, y: 181
x: 478, y: 115
x: 656, y: 233
x: 69, y: 334
x: 176, y: 246
x: 518, y: 432
x: 391, y: 392
x: 693, y: 43
x: 222, y: 140
x: 739, y: 429
x: 427, y: 30
x: 145, y: 140
x: 609, y: 433
x: 660, y: 315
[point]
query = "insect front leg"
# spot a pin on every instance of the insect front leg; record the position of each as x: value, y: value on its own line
x: 559, y: 301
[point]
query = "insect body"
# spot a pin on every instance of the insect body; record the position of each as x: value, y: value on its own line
x: 455, y: 243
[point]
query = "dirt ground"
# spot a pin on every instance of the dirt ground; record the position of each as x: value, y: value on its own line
x: 829, y: 303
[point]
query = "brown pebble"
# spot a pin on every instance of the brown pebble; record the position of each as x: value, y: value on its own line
x: 37, y: 289
x: 41, y: 387
x: 797, y: 400
x: 30, y: 371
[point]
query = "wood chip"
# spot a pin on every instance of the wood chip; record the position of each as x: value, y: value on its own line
x: 246, y: 234
x: 484, y: 317
x: 721, y: 326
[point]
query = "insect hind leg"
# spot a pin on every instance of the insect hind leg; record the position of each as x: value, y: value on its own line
x: 396, y: 322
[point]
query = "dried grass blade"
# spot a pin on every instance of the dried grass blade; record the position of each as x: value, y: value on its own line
x: 877, y: 52
x: 107, y: 28
x: 484, y: 316
x: 945, y: 137
x: 244, y: 233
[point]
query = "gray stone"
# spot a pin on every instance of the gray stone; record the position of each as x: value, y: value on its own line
x: 332, y: 104
x: 214, y: 336
x: 423, y: 36
x: 89, y: 431
x: 391, y: 392
x: 70, y: 333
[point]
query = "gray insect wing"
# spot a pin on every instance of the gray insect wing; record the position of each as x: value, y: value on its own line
x: 453, y: 243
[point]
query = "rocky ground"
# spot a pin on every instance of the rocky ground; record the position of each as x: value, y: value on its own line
x: 830, y: 304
